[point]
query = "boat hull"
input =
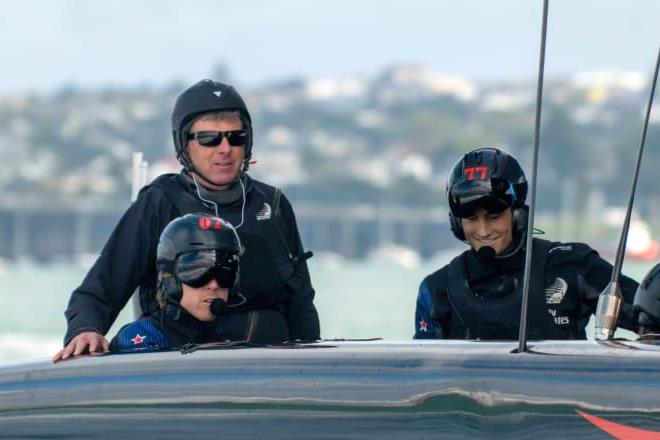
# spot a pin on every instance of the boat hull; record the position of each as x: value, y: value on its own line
x: 345, y: 389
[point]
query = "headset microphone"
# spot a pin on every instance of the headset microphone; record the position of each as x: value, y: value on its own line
x: 486, y: 254
x: 219, y: 307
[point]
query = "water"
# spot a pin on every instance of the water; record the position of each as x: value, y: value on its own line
x: 355, y: 299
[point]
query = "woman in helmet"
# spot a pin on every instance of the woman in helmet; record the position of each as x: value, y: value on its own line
x: 478, y: 294
x: 198, y: 265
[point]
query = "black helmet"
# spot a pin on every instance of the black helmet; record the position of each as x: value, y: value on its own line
x: 193, y: 249
x: 486, y: 178
x: 647, y: 300
x: 204, y: 97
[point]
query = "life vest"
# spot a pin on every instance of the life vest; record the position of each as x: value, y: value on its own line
x: 552, y: 306
x: 267, y: 266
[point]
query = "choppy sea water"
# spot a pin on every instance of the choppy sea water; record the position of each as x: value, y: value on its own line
x: 355, y: 299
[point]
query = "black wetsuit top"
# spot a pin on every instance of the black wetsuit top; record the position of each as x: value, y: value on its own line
x: 474, y: 299
x: 273, y: 271
x: 161, y: 331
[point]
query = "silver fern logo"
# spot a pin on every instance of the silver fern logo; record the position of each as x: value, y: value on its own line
x: 264, y: 213
x: 555, y: 292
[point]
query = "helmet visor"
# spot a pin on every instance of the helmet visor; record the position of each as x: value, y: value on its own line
x: 196, y: 269
x: 467, y: 197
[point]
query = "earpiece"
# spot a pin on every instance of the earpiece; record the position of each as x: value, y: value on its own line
x: 456, y: 227
x: 520, y: 218
x: 170, y: 290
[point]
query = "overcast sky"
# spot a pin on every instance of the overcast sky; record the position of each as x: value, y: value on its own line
x: 46, y: 44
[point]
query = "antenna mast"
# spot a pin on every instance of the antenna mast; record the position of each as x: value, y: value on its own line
x: 609, y: 300
x: 522, y: 335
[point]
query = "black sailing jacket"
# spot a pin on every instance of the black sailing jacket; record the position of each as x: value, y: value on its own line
x: 472, y: 299
x: 273, y: 271
x: 160, y: 331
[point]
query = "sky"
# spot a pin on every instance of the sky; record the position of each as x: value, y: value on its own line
x: 46, y: 45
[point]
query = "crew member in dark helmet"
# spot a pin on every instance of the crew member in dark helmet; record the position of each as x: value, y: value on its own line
x: 478, y: 294
x: 198, y: 266
x: 647, y: 306
x: 212, y: 132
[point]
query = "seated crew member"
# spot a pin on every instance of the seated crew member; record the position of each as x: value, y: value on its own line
x: 478, y: 294
x: 198, y: 265
x: 647, y: 306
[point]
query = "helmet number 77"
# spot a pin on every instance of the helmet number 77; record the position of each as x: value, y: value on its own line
x: 470, y: 172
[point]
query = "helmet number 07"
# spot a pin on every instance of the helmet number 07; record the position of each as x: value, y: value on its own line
x: 206, y: 223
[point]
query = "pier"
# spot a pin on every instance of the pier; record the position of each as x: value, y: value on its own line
x: 66, y: 232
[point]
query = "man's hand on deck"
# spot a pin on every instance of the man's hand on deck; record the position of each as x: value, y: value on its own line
x: 86, y: 342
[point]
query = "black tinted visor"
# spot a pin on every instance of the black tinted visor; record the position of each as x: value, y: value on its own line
x: 196, y: 269
x: 468, y: 197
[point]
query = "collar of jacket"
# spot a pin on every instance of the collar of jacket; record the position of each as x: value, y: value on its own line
x: 232, y: 195
x: 191, y: 328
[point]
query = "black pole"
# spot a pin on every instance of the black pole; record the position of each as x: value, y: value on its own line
x: 618, y: 262
x: 609, y: 301
x: 522, y: 335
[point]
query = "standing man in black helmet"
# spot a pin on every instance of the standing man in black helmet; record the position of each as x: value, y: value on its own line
x: 478, y: 294
x: 198, y: 260
x: 212, y: 131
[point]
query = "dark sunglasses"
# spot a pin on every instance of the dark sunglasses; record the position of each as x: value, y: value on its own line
x: 196, y: 269
x: 236, y: 138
